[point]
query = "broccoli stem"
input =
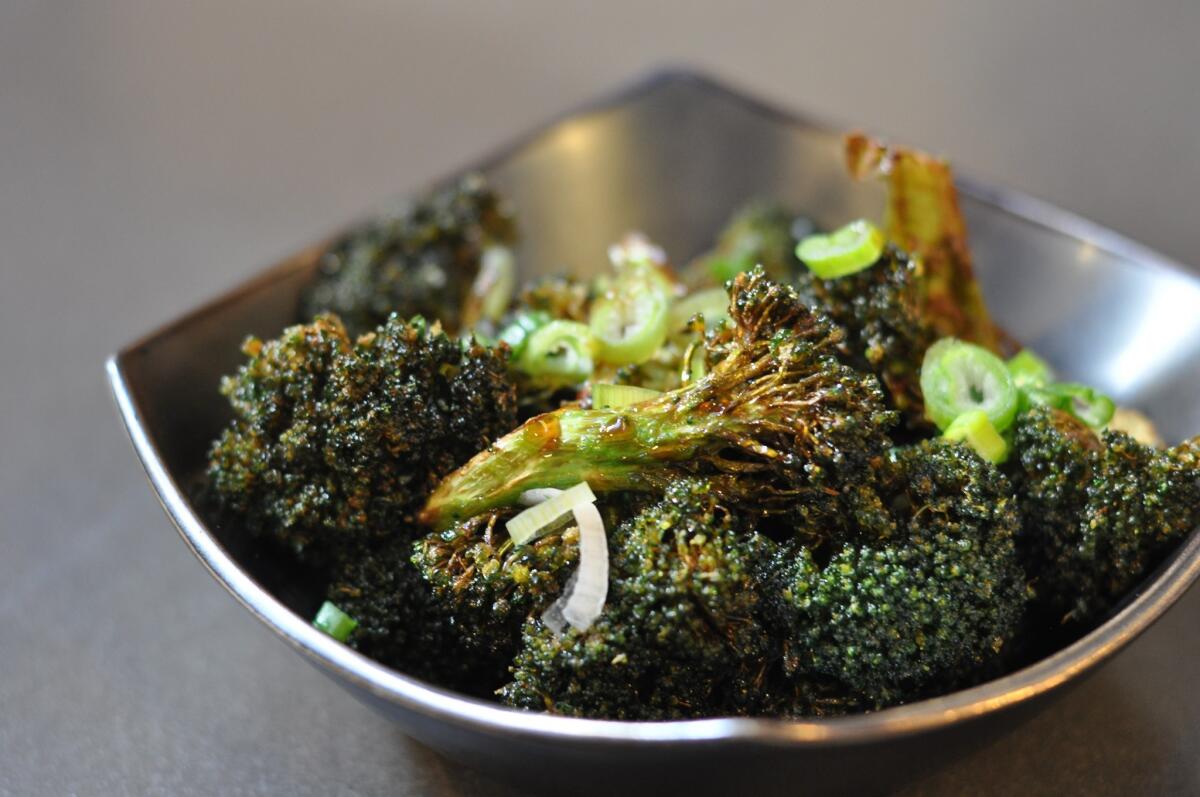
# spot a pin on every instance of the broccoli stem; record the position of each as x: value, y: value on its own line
x: 609, y: 449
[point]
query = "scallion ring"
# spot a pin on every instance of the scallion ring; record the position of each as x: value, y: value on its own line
x: 629, y: 322
x: 958, y: 377
x: 844, y: 251
x: 976, y: 430
x: 334, y: 622
x: 559, y: 353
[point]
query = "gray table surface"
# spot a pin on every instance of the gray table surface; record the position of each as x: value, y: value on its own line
x: 152, y: 154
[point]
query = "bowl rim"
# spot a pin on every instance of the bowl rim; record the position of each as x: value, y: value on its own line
x: 1154, y: 596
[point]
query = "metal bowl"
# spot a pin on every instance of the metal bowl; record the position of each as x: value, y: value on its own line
x: 673, y: 156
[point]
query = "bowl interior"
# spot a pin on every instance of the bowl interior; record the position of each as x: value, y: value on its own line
x: 673, y: 159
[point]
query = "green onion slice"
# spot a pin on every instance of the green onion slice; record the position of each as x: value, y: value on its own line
x: 845, y: 251
x: 976, y: 430
x: 712, y: 304
x: 517, y: 331
x: 609, y: 396
x: 629, y: 322
x: 559, y: 352
x: 1028, y: 370
x: 334, y: 621
x: 1085, y: 403
x: 496, y: 281
x: 538, y: 520
x: 958, y: 377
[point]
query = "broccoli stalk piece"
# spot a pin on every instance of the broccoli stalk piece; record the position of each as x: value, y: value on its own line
x: 778, y: 419
x: 420, y: 260
x: 923, y: 217
x: 680, y: 620
x: 334, y: 441
x: 920, y: 612
x: 1098, y: 512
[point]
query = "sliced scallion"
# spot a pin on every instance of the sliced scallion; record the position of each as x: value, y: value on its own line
x: 516, y: 332
x: 1028, y: 369
x: 334, y: 622
x: 844, y: 251
x: 629, y: 322
x: 1085, y: 403
x: 976, y: 430
x: 559, y: 353
x: 958, y: 377
x: 495, y: 282
x: 537, y: 520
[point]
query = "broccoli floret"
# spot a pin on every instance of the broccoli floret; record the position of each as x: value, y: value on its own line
x: 486, y: 586
x: 333, y: 442
x: 680, y: 620
x: 1098, y: 512
x: 917, y: 613
x: 886, y: 331
x: 420, y: 260
x: 759, y: 234
x: 401, y: 623
x: 779, y: 420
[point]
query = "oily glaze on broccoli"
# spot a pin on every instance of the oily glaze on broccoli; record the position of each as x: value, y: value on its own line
x: 334, y: 441
x: 486, y: 586
x: 420, y: 260
x: 778, y: 420
x: 681, y: 617
x: 1098, y: 511
x: 894, y: 618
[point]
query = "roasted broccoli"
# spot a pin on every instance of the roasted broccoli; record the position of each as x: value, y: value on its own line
x: 402, y: 622
x: 680, y: 619
x: 921, y: 611
x: 924, y: 219
x: 419, y: 260
x: 759, y: 234
x: 334, y: 441
x: 886, y: 331
x: 1098, y: 511
x: 485, y: 586
x: 778, y: 420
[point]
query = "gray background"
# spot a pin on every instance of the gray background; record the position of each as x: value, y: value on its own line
x: 152, y: 154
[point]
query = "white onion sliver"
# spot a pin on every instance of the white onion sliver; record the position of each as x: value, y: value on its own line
x: 537, y: 520
x: 553, y: 616
x: 536, y: 496
x: 583, y: 600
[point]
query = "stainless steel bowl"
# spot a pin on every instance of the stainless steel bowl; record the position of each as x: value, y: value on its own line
x: 673, y: 156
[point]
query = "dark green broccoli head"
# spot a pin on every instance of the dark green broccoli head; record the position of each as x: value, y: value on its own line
x: 921, y: 611
x: 1098, y: 512
x: 486, y: 586
x: 886, y: 331
x: 420, y: 260
x: 401, y: 623
x: 679, y: 622
x: 335, y: 442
